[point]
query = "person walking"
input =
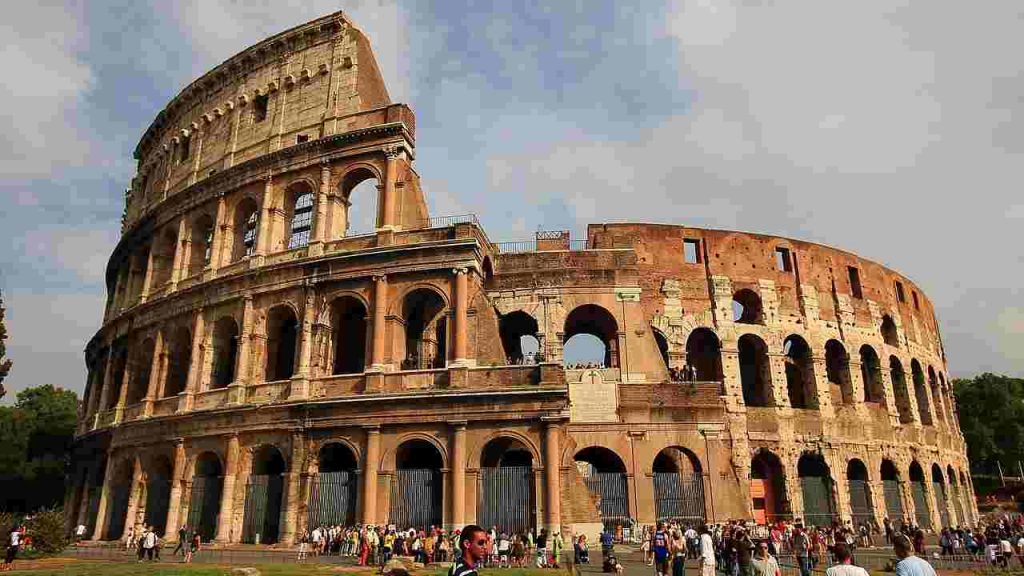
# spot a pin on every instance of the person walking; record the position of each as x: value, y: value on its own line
x: 193, y: 547
x: 182, y: 541
x: 802, y: 551
x: 471, y: 552
x: 707, y: 552
x: 763, y: 563
x: 13, y: 545
x: 659, y: 547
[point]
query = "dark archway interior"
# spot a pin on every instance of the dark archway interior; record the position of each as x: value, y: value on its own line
x: 416, y: 454
x: 755, y: 373
x: 602, y: 460
x: 856, y: 470
x: 348, y: 329
x: 837, y: 367
x: 871, y: 375
x: 916, y: 474
x: 595, y: 321
x: 268, y: 461
x: 800, y: 373
x: 889, y: 471
x: 662, y: 343
x: 889, y: 334
x: 426, y: 334
x: 676, y: 460
x: 812, y: 465
x: 920, y: 393
x: 336, y: 457
x: 704, y: 353
x: 282, y: 337
x: 513, y: 327
x: 141, y: 366
x: 746, y: 307
x: 899, y: 389
x: 225, y: 351
x: 178, y: 361
x: 505, y: 451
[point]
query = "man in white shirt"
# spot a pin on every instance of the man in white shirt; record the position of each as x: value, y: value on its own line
x: 844, y: 563
x: 149, y: 542
x: 707, y: 553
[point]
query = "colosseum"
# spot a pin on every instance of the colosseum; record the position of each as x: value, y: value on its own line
x: 265, y: 364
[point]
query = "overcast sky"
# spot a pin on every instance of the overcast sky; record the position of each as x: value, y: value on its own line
x: 891, y: 130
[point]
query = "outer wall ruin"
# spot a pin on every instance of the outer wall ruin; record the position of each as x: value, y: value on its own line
x: 265, y: 365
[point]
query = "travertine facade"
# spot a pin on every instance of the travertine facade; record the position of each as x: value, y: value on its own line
x: 260, y: 368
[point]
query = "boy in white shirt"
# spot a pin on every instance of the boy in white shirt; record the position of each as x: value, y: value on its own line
x: 844, y: 563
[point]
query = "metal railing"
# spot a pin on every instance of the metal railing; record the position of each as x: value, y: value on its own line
x: 446, y: 221
x: 525, y: 246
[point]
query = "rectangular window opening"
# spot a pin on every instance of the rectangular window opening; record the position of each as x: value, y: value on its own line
x: 183, y: 148
x: 900, y: 296
x: 855, y: 288
x: 783, y: 259
x: 259, y: 108
x: 691, y: 251
x: 302, y: 138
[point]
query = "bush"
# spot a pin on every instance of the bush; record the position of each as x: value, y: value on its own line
x: 46, y: 527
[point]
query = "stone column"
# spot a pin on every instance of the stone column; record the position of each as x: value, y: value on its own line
x: 155, y: 375
x: 227, y: 498
x: 221, y: 228
x: 180, y: 249
x: 147, y: 280
x: 380, y: 305
x: 821, y: 387
x: 320, y: 207
x: 95, y: 391
x: 552, y: 473
x: 126, y: 382
x: 461, y: 297
x: 458, y: 475
x: 290, y: 503
x: 108, y: 376
x: 889, y: 392
x: 174, y: 501
x: 196, y: 362
x: 135, y: 494
x: 370, y: 466
x: 266, y: 217
x: 101, y: 510
x: 242, y: 379
x: 392, y: 153
x: 300, y: 381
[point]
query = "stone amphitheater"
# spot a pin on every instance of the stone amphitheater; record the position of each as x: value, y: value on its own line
x: 265, y: 364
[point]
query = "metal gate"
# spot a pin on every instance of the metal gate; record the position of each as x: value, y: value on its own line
x: 506, y: 498
x: 117, y: 510
x: 921, y: 514
x: 158, y: 496
x: 332, y: 499
x: 893, y: 501
x: 860, y: 502
x: 940, y: 501
x: 416, y: 498
x: 817, y: 494
x: 679, y: 497
x: 204, y: 506
x: 610, y: 488
x: 262, y: 509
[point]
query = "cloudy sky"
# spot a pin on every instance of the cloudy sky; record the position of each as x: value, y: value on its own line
x: 891, y: 130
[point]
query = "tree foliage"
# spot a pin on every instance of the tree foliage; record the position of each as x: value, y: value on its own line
x: 5, y: 364
x: 35, y: 435
x: 992, y: 420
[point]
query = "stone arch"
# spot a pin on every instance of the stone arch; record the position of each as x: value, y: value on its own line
x: 416, y: 490
x: 837, y: 367
x: 767, y: 486
x: 890, y: 334
x: 423, y: 328
x: 349, y: 333
x: 800, y: 382
x: 389, y: 461
x: 662, y: 342
x: 678, y: 486
x: 920, y: 393
x: 204, y: 501
x: 938, y: 394
x: 179, y: 360
x: 282, y: 344
x: 891, y: 490
x: 225, y: 351
x: 859, y: 487
x: 264, y: 495
x: 595, y: 321
x: 871, y: 375
x: 159, y: 476
x: 899, y: 389
x: 333, y: 494
x: 520, y: 337
x: 164, y: 246
x: 245, y: 227
x: 507, y: 495
x: 524, y: 442
x: 604, y: 473
x: 141, y: 365
x: 357, y: 216
x: 939, y: 489
x: 922, y: 512
x: 201, y: 243
x: 299, y: 204
x: 704, y: 353
x: 747, y: 307
x: 956, y: 496
x: 816, y: 488
x: 119, y: 493
x: 487, y: 270
x: 755, y: 371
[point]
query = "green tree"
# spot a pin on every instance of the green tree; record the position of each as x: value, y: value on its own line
x: 992, y: 419
x: 5, y: 364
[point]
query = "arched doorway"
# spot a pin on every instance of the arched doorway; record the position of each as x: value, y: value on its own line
x: 95, y: 479
x: 800, y: 382
x: 921, y: 393
x: 204, y: 499
x: 158, y: 493
x: 891, y: 491
x: 837, y: 367
x: 922, y: 514
x: 426, y: 330
x: 591, y: 323
x: 939, y: 488
x: 755, y: 372
x: 767, y: 487
x: 816, y: 489
x: 417, y: 491
x: 871, y: 375
x: 704, y: 353
x: 518, y: 331
x: 678, y: 486
x: 359, y: 190
x: 955, y: 494
x: 605, y: 476
x: 899, y: 390
x: 225, y: 352
x: 746, y: 307
x: 662, y: 342
x: 507, y: 498
x: 348, y: 331
x: 117, y: 506
x: 860, y: 493
x: 332, y: 498
x: 282, y: 339
x: 263, y: 496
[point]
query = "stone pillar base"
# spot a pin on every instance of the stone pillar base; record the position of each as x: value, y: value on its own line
x: 185, y: 402
x: 316, y: 248
x: 374, y: 381
x: 236, y: 393
x: 299, y: 389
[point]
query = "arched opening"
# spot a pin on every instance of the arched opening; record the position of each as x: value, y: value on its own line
x: 860, y: 493
x: 117, y: 504
x: 966, y: 493
x: 678, y: 486
x: 263, y: 497
x: 225, y: 351
x: 348, y: 332
x: 816, y: 489
x: 704, y: 354
x: 426, y: 330
x: 201, y: 250
x: 332, y: 498
x: 899, y: 390
x: 519, y: 337
x: 803, y: 392
x: 95, y: 479
x: 921, y: 393
x: 204, y: 499
x: 137, y: 273
x: 955, y: 495
x: 837, y: 367
x: 755, y: 372
x: 939, y: 488
x: 487, y: 270
x: 889, y: 334
x: 596, y: 322
x: 605, y: 476
x: 507, y: 499
x: 662, y: 342
x: 163, y: 258
x: 158, y: 493
x: 922, y: 514
x: 767, y: 488
x: 246, y: 228
x: 120, y: 359
x: 416, y: 490
x: 282, y: 337
x: 746, y: 307
x: 179, y: 357
x: 938, y: 395
x: 141, y: 366
x: 871, y: 374
x: 891, y: 491
x: 359, y: 213
x: 299, y: 214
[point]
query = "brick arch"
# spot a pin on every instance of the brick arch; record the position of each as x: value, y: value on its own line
x: 477, y: 450
x: 387, y: 460
x: 395, y: 303
x: 323, y: 315
x: 312, y: 464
